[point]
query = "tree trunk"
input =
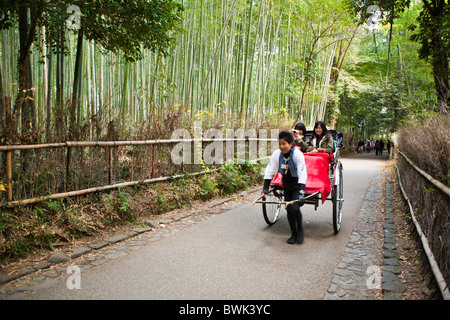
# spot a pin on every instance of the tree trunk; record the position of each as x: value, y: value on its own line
x: 440, y: 68
x: 378, y: 56
x: 391, y: 22
x: 334, y: 76
x: 308, y: 67
x: 24, y: 102
x: 436, y: 10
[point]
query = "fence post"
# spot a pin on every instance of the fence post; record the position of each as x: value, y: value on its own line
x: 153, y: 161
x: 67, y: 180
x: 110, y: 160
x: 9, y: 174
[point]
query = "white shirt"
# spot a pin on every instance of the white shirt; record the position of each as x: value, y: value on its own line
x: 299, y: 159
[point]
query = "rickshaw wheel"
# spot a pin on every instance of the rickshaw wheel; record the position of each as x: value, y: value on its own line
x: 272, y: 210
x: 338, y: 198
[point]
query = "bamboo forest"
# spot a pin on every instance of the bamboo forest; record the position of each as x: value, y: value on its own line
x: 239, y: 63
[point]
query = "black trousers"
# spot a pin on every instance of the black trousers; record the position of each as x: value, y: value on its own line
x: 294, y: 215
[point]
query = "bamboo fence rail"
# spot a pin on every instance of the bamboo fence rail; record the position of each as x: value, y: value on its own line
x: 9, y: 149
x: 117, y: 143
x: 443, y: 287
x: 434, y: 181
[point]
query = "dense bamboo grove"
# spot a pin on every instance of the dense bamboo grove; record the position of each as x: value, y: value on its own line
x: 234, y: 64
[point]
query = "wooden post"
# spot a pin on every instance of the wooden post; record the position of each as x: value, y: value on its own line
x: 9, y: 174
x: 110, y: 159
x: 67, y: 180
x: 153, y: 161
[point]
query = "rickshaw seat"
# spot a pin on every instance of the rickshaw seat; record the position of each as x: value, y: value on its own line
x: 317, y: 165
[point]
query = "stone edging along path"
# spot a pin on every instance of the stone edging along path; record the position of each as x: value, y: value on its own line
x: 369, y: 265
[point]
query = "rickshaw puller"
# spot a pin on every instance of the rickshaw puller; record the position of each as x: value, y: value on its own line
x: 290, y: 163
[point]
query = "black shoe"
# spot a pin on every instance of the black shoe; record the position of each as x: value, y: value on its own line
x: 300, y: 236
x: 292, y: 239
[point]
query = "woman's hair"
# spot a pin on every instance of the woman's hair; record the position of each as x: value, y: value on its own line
x: 324, y: 129
x: 300, y: 126
x: 287, y: 136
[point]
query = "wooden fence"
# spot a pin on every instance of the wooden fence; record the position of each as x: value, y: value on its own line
x: 154, y: 158
x: 423, y: 232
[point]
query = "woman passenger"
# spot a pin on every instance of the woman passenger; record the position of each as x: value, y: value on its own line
x: 299, y: 133
x: 321, y: 139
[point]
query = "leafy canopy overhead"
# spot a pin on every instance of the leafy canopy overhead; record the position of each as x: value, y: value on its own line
x: 125, y: 25
x: 119, y: 26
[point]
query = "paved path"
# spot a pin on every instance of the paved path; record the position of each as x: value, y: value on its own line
x: 230, y: 253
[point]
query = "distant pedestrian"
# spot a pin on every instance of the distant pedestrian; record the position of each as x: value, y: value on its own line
x: 381, y: 147
x: 360, y: 148
x: 390, y: 145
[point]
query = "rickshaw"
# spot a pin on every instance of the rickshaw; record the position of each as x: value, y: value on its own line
x: 325, y: 182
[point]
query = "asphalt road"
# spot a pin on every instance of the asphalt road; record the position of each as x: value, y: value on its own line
x: 234, y: 255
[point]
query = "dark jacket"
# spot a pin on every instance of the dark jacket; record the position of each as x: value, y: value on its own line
x: 325, y: 144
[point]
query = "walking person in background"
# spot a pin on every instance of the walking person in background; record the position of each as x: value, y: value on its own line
x: 381, y: 147
x: 389, y: 146
x: 377, y: 147
x: 368, y: 146
x: 360, y: 146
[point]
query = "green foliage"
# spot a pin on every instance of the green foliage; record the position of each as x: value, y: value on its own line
x: 208, y: 188
x: 383, y: 82
x: 26, y: 229
x: 431, y: 20
x: 119, y: 202
x: 130, y: 26
x: 387, y: 58
x: 233, y: 176
x: 124, y: 27
x: 166, y: 201
x: 41, y: 181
